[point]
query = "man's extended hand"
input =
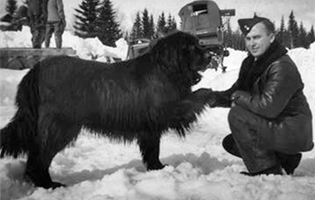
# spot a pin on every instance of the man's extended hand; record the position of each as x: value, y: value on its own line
x: 212, y: 101
x: 208, y: 95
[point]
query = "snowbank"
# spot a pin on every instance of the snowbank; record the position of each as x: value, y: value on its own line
x: 85, y: 47
x: 99, y: 169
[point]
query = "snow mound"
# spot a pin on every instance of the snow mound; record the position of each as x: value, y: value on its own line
x: 85, y: 48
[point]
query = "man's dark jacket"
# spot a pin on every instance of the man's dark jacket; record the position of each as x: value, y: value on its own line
x: 271, y: 87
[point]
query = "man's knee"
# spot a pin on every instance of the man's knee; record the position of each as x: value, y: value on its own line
x: 242, y: 118
x: 236, y: 115
x: 243, y: 124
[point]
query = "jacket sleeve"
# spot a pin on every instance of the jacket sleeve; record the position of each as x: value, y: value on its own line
x: 282, y: 81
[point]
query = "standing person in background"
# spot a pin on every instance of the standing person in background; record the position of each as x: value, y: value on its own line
x: 56, y: 22
x: 37, y: 13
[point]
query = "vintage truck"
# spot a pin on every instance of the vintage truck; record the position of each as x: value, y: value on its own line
x: 203, y: 18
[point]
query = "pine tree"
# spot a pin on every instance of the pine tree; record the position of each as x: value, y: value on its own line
x: 174, y: 24
x: 302, y: 37
x: 228, y: 36
x: 152, y: 31
x: 108, y: 29
x: 311, y: 36
x: 86, y: 20
x: 161, y: 25
x: 136, y: 28
x: 146, y: 24
x: 283, y: 35
x: 293, y: 31
x: 171, y: 24
x: 280, y: 33
x: 11, y: 7
x: 238, y: 38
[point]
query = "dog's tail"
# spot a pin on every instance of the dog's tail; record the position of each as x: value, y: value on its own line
x: 17, y: 136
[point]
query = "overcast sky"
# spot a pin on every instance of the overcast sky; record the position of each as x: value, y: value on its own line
x: 304, y: 10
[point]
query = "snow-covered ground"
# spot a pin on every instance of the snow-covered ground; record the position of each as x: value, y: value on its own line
x: 96, y: 168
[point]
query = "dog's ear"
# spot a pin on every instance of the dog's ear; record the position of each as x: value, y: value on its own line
x: 179, y: 51
x: 165, y: 53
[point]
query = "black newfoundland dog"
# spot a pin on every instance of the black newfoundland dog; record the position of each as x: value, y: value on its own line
x: 138, y: 99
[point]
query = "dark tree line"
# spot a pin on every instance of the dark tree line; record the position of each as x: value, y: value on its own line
x: 144, y: 26
x: 95, y: 18
x: 295, y: 35
x: 291, y: 37
x: 233, y: 39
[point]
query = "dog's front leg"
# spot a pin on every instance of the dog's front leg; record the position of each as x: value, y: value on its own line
x: 149, y: 144
x: 185, y: 112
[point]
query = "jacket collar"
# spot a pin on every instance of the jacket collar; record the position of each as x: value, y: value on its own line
x: 251, y: 69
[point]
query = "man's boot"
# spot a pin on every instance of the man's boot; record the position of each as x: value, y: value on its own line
x: 275, y: 170
x: 288, y: 162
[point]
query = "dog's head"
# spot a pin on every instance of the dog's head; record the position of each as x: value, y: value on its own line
x: 181, y: 51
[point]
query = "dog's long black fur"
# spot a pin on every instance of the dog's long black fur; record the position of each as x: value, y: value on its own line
x: 139, y: 99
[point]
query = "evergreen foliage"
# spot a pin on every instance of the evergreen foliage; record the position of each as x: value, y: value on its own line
x: 302, y: 37
x: 86, y: 19
x: 311, y: 36
x: 95, y: 19
x: 171, y: 24
x: 136, y: 28
x: 11, y: 7
x: 146, y: 27
x: 161, y: 25
x: 228, y: 36
x: 293, y: 31
x: 108, y: 31
x: 152, y: 27
x: 292, y: 37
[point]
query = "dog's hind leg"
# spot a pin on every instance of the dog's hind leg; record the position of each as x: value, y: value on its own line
x: 149, y: 144
x: 37, y: 170
x: 53, y: 136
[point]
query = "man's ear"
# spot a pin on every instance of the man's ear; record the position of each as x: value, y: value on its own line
x: 272, y: 37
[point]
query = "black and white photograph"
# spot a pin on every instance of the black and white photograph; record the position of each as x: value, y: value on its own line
x: 157, y: 100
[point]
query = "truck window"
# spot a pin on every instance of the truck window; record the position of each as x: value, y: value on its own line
x: 200, y: 9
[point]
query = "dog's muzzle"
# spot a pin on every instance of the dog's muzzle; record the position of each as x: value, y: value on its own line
x: 207, y: 57
x: 206, y: 60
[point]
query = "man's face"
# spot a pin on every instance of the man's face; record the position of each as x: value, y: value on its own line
x: 258, y: 40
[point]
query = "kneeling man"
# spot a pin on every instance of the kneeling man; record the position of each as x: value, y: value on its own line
x: 270, y: 118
